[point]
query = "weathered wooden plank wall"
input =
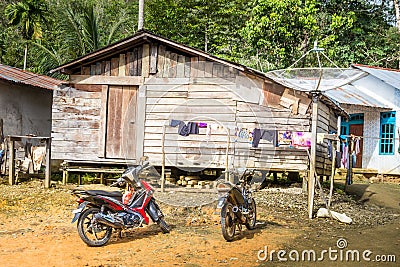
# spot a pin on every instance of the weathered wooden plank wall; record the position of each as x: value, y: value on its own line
x: 327, y: 122
x: 76, y: 122
x: 180, y: 86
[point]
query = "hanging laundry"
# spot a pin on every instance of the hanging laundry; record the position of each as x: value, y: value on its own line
x: 345, y: 155
x: 330, y: 150
x: 193, y: 128
x: 243, y: 133
x: 202, y: 125
x: 256, y: 137
x: 183, y: 129
x: 301, y: 139
x: 285, y: 138
x: 357, y: 145
x: 250, y: 139
x: 269, y: 135
x: 338, y: 159
x: 320, y: 137
x: 174, y: 123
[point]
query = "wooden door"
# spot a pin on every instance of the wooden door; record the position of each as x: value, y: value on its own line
x: 358, y: 129
x: 121, y: 118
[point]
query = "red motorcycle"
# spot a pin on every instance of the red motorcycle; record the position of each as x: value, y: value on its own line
x: 99, y: 211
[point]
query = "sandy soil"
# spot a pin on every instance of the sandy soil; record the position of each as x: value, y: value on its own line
x: 35, y: 230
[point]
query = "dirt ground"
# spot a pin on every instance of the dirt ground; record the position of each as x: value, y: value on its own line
x: 35, y: 230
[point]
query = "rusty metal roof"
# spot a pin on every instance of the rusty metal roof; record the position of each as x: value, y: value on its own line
x: 18, y: 76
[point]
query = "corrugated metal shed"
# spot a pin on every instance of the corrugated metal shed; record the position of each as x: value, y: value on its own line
x: 15, y: 75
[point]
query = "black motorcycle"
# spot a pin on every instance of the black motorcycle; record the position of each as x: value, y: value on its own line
x: 237, y: 205
x: 99, y: 211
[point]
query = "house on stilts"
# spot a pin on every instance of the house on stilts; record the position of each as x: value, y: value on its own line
x: 186, y: 109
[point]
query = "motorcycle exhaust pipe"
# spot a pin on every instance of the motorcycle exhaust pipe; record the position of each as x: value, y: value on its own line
x: 236, y: 210
x: 107, y: 220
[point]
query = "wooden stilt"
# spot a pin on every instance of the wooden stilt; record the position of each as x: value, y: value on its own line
x: 163, y: 159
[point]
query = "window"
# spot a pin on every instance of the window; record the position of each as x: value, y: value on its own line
x: 386, y: 144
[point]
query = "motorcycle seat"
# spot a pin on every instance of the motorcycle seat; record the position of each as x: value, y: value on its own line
x: 105, y: 193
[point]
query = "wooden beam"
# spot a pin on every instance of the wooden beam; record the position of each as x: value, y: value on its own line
x: 153, y: 58
x: 135, y: 70
x: 146, y: 60
x: 47, y: 177
x: 103, y: 122
x: 107, y: 68
x: 114, y: 66
x: 122, y: 66
x: 313, y: 153
x: 11, y: 163
x: 160, y: 60
x: 109, y: 80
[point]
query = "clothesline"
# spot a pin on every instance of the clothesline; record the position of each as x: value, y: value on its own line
x: 367, y: 137
x: 253, y: 136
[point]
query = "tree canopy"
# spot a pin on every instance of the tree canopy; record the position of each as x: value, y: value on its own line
x: 264, y: 34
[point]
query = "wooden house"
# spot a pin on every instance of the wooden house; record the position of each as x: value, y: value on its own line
x: 120, y: 101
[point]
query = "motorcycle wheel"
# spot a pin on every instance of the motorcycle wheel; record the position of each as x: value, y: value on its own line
x: 251, y: 218
x: 93, y: 234
x: 163, y: 225
x: 228, y: 223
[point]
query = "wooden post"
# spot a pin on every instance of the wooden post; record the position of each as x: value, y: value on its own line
x: 65, y: 176
x: 332, y: 174
x: 102, y: 181
x: 227, y: 155
x: 313, y: 153
x: 163, y: 159
x: 1, y: 131
x: 335, y: 147
x: 47, y: 176
x: 11, y: 163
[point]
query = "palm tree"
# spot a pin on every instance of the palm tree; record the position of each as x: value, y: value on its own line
x: 29, y: 14
x: 81, y: 28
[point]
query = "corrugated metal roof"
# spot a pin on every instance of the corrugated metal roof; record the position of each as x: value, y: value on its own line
x: 389, y: 76
x: 362, y: 92
x: 350, y: 94
x: 15, y: 75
